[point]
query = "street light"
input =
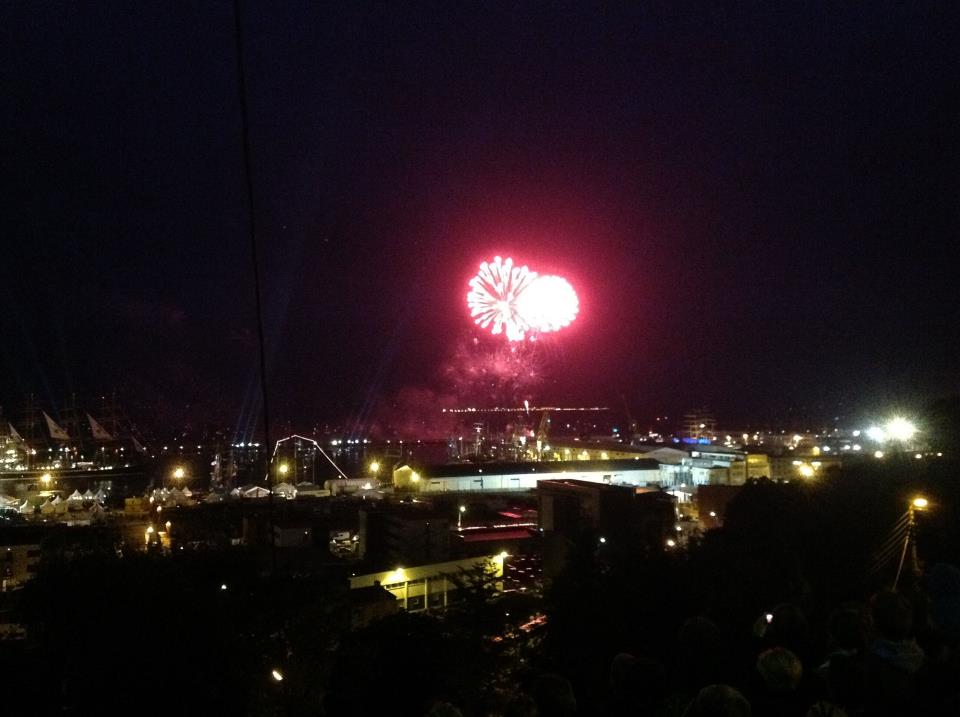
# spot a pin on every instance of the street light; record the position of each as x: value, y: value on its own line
x: 179, y: 473
x: 46, y: 479
x: 374, y: 467
x: 283, y: 469
x: 909, y: 539
x: 463, y: 509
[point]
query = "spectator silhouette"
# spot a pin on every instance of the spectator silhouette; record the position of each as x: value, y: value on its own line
x: 554, y: 696
x: 778, y: 694
x: 843, y: 669
x: 893, y: 659
x: 718, y: 701
x: 636, y: 686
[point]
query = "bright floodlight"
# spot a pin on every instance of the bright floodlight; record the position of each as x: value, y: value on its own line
x: 877, y: 434
x: 920, y: 503
x: 900, y: 429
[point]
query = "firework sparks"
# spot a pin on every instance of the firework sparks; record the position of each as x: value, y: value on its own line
x: 493, y: 297
x: 498, y: 374
x: 517, y: 302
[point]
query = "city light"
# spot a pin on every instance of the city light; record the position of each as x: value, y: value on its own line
x: 920, y: 503
x: 900, y: 429
x: 179, y: 473
x: 277, y: 675
x: 374, y: 467
x: 896, y: 429
x: 283, y: 469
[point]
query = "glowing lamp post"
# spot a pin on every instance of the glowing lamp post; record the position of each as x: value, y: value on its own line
x: 909, y: 541
x: 463, y: 509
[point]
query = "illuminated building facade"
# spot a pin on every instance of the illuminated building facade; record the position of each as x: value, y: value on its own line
x: 496, y: 477
x: 427, y: 587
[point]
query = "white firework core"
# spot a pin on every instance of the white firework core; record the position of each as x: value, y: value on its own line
x: 548, y: 304
x: 515, y: 301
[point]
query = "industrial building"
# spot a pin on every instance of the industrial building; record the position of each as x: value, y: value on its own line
x: 493, y: 477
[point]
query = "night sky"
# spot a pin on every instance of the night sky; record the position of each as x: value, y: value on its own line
x: 757, y: 202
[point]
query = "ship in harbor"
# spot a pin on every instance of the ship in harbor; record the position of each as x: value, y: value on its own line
x: 49, y: 446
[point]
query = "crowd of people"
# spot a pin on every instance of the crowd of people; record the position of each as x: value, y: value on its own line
x: 897, y: 654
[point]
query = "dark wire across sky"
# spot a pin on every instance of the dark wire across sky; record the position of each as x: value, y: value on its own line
x: 757, y: 204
